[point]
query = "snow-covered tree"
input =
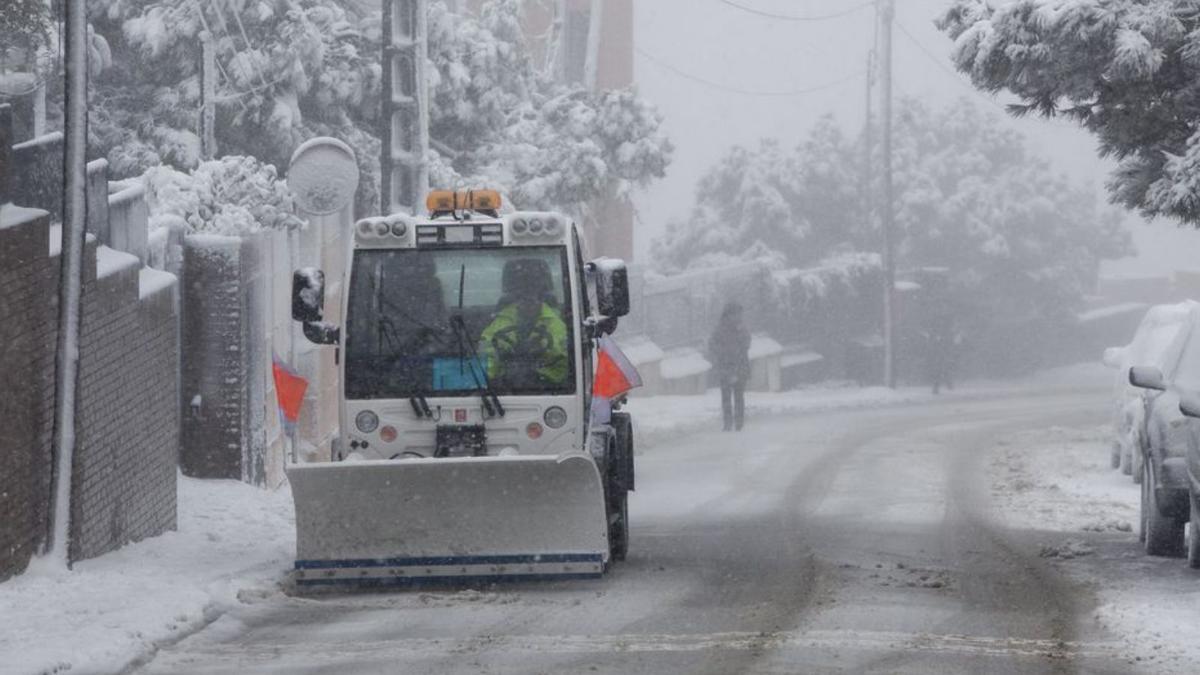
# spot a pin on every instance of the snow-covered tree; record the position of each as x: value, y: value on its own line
x: 1018, y: 239
x: 231, y: 195
x: 1021, y: 244
x: 1127, y: 70
x: 294, y: 69
x: 790, y: 208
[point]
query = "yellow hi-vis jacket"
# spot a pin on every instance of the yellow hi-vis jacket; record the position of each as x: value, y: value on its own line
x: 508, y: 345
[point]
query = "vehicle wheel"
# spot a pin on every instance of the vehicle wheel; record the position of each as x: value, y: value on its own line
x: 1193, y: 538
x: 1115, y: 456
x: 1164, y: 535
x: 618, y: 527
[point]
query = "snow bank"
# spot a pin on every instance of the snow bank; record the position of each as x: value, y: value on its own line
x: 1059, y: 482
x: 112, y: 611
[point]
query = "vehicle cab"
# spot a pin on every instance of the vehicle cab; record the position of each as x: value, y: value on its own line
x: 467, y: 333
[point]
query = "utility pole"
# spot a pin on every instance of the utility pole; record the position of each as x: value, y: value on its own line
x: 208, y: 96
x: 869, y: 141
x: 404, y: 173
x: 70, y: 279
x: 887, y: 15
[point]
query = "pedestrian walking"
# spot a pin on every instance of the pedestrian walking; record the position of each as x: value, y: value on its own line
x: 729, y: 350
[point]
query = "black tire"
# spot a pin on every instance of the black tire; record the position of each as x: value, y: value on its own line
x: 1193, y: 538
x: 1115, y: 456
x: 622, y: 424
x: 618, y: 527
x: 1164, y: 534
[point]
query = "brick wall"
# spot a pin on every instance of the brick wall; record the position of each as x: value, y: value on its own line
x: 27, y: 336
x: 124, y: 476
x: 127, y: 426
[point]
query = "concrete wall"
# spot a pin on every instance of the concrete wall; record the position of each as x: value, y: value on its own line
x: 237, y: 297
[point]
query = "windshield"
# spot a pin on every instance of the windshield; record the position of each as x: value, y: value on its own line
x: 448, y: 322
x: 1187, y: 371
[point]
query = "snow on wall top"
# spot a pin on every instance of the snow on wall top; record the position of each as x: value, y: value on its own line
x: 111, y: 261
x: 1110, y: 311
x: 683, y: 362
x: 762, y: 346
x: 641, y: 350
x: 151, y: 281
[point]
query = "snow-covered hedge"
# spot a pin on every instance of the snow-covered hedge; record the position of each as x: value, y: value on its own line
x: 231, y: 196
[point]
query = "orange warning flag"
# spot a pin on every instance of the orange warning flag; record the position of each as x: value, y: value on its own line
x: 615, y: 375
x: 289, y: 391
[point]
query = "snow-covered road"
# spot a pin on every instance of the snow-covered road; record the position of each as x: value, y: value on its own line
x: 847, y: 541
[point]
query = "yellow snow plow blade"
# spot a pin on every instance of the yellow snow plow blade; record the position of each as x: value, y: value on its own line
x: 467, y: 520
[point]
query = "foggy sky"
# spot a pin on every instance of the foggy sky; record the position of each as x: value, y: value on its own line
x: 714, y: 41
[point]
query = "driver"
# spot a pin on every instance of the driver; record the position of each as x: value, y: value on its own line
x: 525, y: 345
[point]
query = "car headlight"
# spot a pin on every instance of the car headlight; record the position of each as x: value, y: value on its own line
x: 366, y: 421
x: 555, y: 417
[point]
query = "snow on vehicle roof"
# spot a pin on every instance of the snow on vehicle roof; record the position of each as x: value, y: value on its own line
x: 683, y: 362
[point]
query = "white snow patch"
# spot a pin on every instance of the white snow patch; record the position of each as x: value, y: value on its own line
x: 762, y: 346
x: 111, y: 261
x: 1114, y: 310
x: 233, y: 540
x: 683, y: 362
x: 1061, y: 482
x: 641, y: 350
x: 151, y: 281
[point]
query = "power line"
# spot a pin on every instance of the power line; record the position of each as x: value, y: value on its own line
x: 791, y: 17
x: 954, y: 74
x: 966, y: 85
x: 738, y: 90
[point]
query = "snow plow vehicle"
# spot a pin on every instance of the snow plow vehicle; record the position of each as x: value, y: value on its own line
x: 469, y: 449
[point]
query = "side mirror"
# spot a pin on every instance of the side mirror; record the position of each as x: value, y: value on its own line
x: 1112, y: 357
x: 612, y: 286
x: 1147, y: 377
x: 308, y: 306
x: 1189, y: 404
x: 308, y: 294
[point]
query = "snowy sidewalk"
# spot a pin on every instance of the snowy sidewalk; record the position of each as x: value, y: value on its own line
x: 658, y: 417
x: 236, y: 541
x: 107, y: 613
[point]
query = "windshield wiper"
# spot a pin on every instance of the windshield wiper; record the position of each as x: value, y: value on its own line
x: 419, y: 405
x: 491, y: 402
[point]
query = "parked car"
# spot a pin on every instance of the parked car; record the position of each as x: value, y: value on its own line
x: 1165, y: 499
x: 1154, y: 335
x: 1189, y: 405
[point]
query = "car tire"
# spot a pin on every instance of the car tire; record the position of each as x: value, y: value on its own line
x: 1193, y: 537
x: 1163, y: 534
x: 618, y: 528
x: 1115, y: 456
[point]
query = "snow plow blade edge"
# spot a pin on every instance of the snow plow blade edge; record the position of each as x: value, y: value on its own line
x: 415, y: 521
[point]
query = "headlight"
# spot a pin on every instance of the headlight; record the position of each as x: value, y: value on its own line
x: 519, y: 226
x: 535, y: 226
x: 366, y: 421
x: 555, y: 417
x: 398, y: 229
x: 552, y: 226
x: 381, y: 228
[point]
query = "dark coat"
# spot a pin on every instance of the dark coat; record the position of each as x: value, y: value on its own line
x: 729, y: 350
